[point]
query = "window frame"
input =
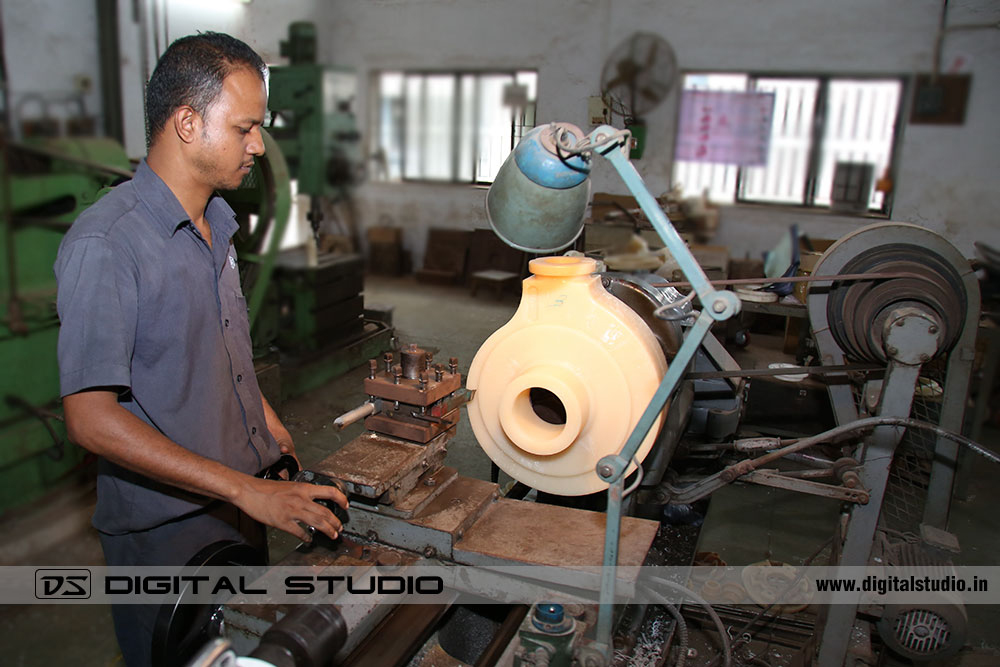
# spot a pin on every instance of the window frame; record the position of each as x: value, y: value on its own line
x: 517, y: 120
x: 819, y: 120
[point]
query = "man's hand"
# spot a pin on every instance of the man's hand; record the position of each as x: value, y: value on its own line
x: 96, y: 421
x: 290, y: 506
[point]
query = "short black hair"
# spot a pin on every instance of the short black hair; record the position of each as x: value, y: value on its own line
x: 190, y: 73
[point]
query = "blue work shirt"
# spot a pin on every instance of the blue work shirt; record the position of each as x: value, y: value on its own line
x: 147, y: 309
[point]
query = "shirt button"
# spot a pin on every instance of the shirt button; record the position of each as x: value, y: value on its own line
x: 239, y: 378
x: 253, y: 430
x: 227, y: 323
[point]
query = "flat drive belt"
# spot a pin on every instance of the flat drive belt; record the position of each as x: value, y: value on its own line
x: 800, y: 279
x: 785, y: 370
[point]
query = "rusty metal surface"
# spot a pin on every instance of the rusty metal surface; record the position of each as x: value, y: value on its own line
x: 436, y: 528
x: 430, y: 487
x: 777, y: 480
x: 408, y: 391
x: 373, y: 464
x: 416, y: 428
x: 514, y: 532
x: 460, y: 504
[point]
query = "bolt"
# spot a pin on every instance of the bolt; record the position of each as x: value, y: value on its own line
x: 719, y: 305
x: 422, y: 381
x: 372, y: 536
x: 453, y: 364
x: 387, y: 358
x: 372, y: 368
x: 430, y: 552
x: 892, y: 351
x: 428, y: 358
x: 430, y: 481
x: 932, y: 329
x: 605, y: 470
x: 397, y: 372
x: 459, y: 534
x: 606, y: 282
x: 438, y: 373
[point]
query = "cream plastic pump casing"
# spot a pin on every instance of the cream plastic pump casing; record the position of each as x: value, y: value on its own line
x: 572, y: 338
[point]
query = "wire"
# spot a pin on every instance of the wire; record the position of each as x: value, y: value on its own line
x: 723, y: 635
x: 586, y: 144
x: 659, y: 312
x: 638, y: 480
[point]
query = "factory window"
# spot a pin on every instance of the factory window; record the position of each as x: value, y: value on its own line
x: 453, y: 127
x: 828, y: 139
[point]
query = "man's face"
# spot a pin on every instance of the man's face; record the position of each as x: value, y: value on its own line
x: 230, y: 136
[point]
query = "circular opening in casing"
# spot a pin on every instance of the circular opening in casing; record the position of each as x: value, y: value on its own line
x: 547, y: 406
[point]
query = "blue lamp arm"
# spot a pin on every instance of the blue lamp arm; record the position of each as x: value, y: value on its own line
x: 718, y: 305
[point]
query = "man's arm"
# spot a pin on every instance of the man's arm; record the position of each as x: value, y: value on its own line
x: 96, y: 422
x: 278, y: 430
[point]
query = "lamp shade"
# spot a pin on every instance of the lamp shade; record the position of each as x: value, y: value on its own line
x: 538, y: 199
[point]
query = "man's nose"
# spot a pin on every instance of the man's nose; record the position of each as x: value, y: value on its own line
x: 256, y: 145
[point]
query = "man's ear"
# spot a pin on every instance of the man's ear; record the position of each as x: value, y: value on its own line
x: 186, y: 123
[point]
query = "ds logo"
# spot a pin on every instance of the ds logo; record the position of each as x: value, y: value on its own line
x: 62, y: 584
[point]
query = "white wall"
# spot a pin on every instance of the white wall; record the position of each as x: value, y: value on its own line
x: 948, y: 173
x: 947, y: 176
x: 48, y: 45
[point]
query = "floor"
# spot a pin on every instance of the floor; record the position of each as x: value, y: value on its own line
x: 449, y: 322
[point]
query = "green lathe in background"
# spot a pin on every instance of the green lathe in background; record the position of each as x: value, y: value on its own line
x: 44, y: 185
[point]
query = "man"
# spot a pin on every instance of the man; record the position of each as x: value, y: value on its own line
x: 154, y: 351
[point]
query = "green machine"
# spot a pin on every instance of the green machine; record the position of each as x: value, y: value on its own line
x: 44, y: 185
x: 312, y: 120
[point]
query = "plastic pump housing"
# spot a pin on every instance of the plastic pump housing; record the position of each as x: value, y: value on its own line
x: 564, y: 382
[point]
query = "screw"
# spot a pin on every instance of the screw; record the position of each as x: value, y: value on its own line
x: 428, y: 358
x: 932, y: 329
x: 423, y: 380
x: 605, y: 470
x: 719, y: 305
x: 430, y: 552
x: 438, y: 372
x: 453, y: 364
x: 387, y: 358
x: 397, y: 372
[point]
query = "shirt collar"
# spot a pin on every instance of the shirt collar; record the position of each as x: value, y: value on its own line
x: 168, y: 212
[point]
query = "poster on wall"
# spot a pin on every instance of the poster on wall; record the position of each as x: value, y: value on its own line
x: 725, y: 127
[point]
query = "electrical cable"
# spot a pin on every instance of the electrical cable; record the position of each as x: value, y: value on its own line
x: 680, y: 303
x: 723, y: 635
x: 638, y: 480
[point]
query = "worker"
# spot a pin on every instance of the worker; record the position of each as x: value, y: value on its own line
x: 155, y: 360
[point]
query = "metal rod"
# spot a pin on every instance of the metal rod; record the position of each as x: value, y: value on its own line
x: 355, y: 415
